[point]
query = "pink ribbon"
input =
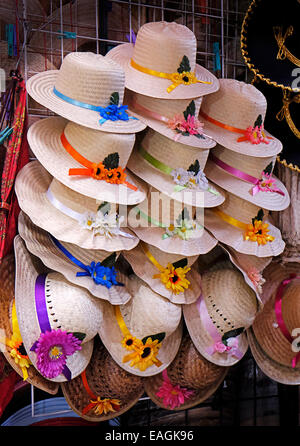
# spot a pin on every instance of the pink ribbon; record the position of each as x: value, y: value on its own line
x: 213, y: 332
x: 244, y: 176
x: 278, y: 313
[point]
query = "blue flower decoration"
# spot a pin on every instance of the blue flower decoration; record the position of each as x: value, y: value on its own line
x: 101, y: 275
x: 114, y: 112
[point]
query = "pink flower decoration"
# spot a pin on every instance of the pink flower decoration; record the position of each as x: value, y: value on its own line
x: 256, y: 278
x: 255, y: 135
x: 52, y: 349
x: 192, y: 125
x: 267, y: 182
x: 220, y: 347
x: 173, y: 396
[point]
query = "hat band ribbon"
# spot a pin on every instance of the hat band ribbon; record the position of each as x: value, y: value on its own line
x: 168, y: 170
x: 42, y: 315
x: 101, y: 275
x: 185, y: 78
x: 218, y: 346
x: 231, y: 220
x: 141, y: 349
x: 254, y: 135
x: 259, y: 185
x: 278, y: 313
x: 109, y: 113
x: 91, y: 168
x: 100, y: 405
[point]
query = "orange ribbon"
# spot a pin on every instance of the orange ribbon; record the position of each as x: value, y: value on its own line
x: 93, y: 170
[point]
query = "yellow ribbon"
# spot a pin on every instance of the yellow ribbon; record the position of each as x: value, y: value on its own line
x: 186, y: 77
x: 231, y: 220
x: 152, y: 258
x: 121, y: 322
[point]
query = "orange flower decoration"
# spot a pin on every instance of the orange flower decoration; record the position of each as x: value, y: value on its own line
x: 258, y: 232
x: 99, y: 171
x: 102, y: 406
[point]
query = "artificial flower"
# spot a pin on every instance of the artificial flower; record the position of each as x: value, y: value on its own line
x: 102, y: 275
x: 267, y: 183
x: 52, y: 349
x: 180, y: 176
x: 114, y: 112
x: 111, y: 176
x: 190, y: 179
x: 256, y: 135
x: 173, y: 396
x: 99, y: 171
x: 174, y: 278
x: 185, y: 231
x: 256, y: 278
x: 144, y: 355
x: 120, y: 174
x: 102, y: 405
x: 129, y: 342
x: 18, y: 352
x: 258, y: 232
x: 220, y: 347
x: 88, y: 220
x: 189, y: 126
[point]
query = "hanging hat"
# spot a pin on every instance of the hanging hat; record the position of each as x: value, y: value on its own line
x: 169, y: 275
x: 175, y: 169
x: 90, y: 162
x: 270, y: 42
x: 217, y: 321
x: 247, y: 177
x: 189, y: 380
x: 142, y: 336
x: 87, y: 89
x: 57, y: 320
x: 274, y: 335
x: 12, y: 344
x: 178, y: 230
x: 245, y: 227
x: 69, y: 216
x: 102, y: 396
x: 234, y: 117
x: 162, y: 63
x: 176, y: 119
x: 90, y: 269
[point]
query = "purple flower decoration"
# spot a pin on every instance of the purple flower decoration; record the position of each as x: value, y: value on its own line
x: 52, y: 349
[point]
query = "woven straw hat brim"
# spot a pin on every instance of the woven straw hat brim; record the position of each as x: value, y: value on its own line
x: 165, y: 184
x: 31, y: 186
x: 228, y: 139
x: 26, y: 274
x: 202, y: 340
x: 7, y: 294
x: 157, y: 87
x: 190, y: 140
x: 267, y: 200
x: 78, y: 398
x: 145, y: 270
x: 175, y: 245
x: 39, y: 243
x: 44, y: 141
x: 232, y: 236
x: 278, y: 372
x: 40, y: 88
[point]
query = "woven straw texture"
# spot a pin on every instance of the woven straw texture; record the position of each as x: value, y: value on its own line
x: 190, y: 370
x: 112, y: 382
x: 86, y: 77
x: 7, y: 294
x: 160, y: 46
x: 146, y: 314
x: 78, y: 311
x: 237, y: 104
x: 31, y: 186
x: 39, y: 243
x: 230, y: 303
x: 44, y: 140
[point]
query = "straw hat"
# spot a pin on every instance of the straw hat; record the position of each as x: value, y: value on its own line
x: 170, y: 118
x: 13, y: 350
x: 169, y: 51
x: 247, y: 177
x: 169, y: 166
x: 147, y: 317
x: 66, y: 214
x: 190, y: 376
x: 44, y: 316
x: 82, y: 90
x: 239, y: 223
x: 177, y: 229
x: 169, y: 275
x: 70, y: 260
x: 273, y: 343
x: 239, y: 106
x: 85, y: 394
x: 53, y: 140
x: 216, y: 322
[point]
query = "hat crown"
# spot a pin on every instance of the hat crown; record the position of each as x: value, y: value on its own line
x: 240, y: 209
x: 148, y: 313
x: 71, y: 307
x: 290, y: 305
x: 236, y: 104
x: 160, y: 46
x: 90, y: 78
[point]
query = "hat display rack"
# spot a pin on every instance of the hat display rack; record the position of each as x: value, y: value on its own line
x: 148, y: 244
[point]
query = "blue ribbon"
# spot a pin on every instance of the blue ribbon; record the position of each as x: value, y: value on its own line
x: 110, y: 113
x: 101, y: 275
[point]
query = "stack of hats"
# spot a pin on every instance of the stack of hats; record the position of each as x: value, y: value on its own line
x: 119, y: 210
